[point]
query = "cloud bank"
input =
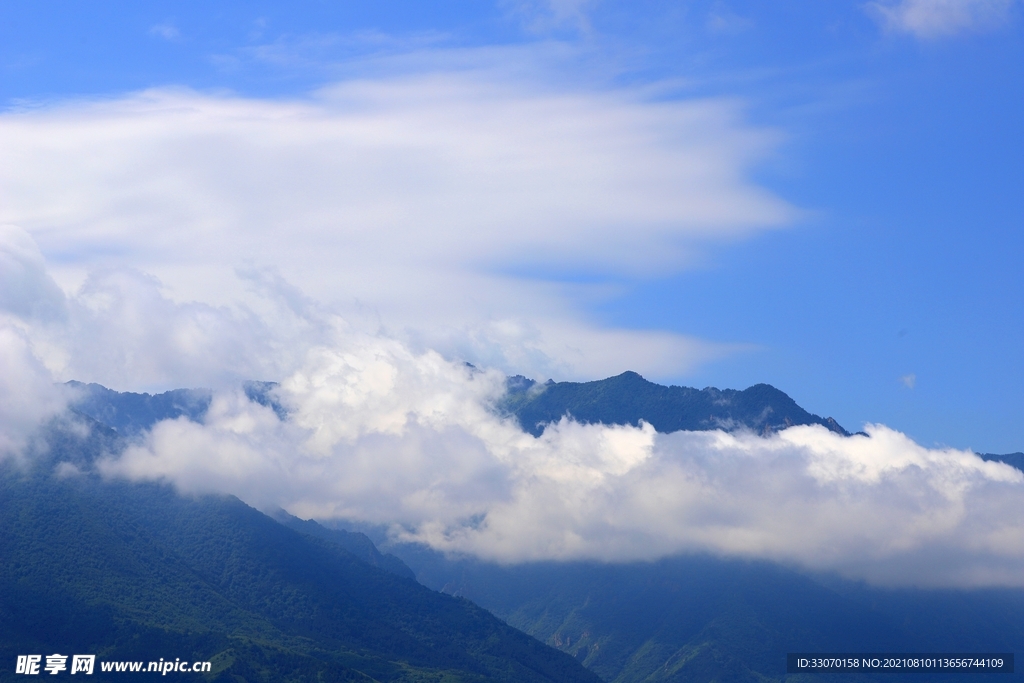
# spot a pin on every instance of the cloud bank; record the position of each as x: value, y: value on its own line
x: 384, y: 433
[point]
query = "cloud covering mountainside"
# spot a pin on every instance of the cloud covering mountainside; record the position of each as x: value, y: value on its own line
x: 379, y: 432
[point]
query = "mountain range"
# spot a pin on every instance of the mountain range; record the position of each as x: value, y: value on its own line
x: 629, y: 398
x: 135, y: 571
x: 624, y: 399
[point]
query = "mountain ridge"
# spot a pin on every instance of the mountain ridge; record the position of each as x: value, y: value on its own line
x: 760, y: 408
x: 628, y: 398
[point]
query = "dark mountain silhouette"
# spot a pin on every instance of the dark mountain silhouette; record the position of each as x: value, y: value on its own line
x: 129, y: 413
x: 1014, y: 459
x: 624, y: 399
x: 629, y: 398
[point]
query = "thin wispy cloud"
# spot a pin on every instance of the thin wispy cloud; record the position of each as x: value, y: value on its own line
x: 439, y: 201
x: 165, y: 30
x: 542, y: 16
x: 909, y: 381
x: 722, y: 20
x: 932, y: 19
x: 326, y: 52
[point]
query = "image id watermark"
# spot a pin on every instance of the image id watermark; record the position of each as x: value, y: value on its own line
x: 895, y: 662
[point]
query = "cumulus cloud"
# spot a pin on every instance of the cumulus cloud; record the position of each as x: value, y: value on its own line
x: 26, y: 288
x: 121, y: 329
x: 449, y: 203
x: 380, y: 434
x: 940, y: 18
x: 28, y: 298
x: 28, y: 395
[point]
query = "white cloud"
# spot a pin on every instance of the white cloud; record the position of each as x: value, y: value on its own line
x: 939, y: 18
x: 722, y: 20
x: 909, y: 381
x: 119, y: 328
x: 165, y: 30
x: 28, y: 297
x: 384, y: 435
x: 28, y: 395
x: 26, y: 288
x: 542, y: 16
x: 435, y: 201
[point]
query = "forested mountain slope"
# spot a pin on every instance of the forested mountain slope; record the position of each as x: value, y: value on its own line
x: 702, y: 618
x: 138, y: 572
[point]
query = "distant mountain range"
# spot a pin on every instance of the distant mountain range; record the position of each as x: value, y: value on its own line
x: 624, y: 399
x: 132, y: 570
x: 129, y: 413
x: 629, y: 398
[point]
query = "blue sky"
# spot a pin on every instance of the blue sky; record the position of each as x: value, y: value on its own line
x: 876, y: 150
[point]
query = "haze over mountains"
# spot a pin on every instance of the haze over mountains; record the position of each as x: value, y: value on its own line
x: 705, y: 618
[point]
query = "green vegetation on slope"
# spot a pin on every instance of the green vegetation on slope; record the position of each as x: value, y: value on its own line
x: 137, y: 572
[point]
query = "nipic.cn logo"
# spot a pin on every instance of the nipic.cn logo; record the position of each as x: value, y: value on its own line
x: 33, y: 665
